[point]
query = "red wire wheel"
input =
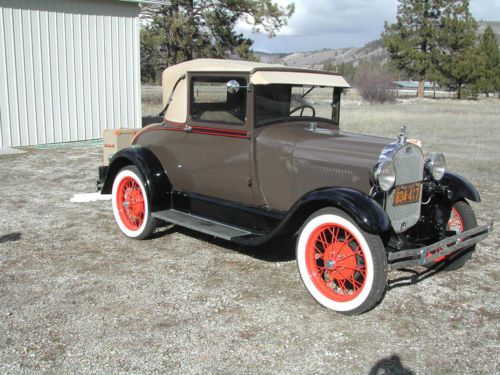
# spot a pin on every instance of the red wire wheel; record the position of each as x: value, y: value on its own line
x: 130, y: 202
x: 131, y: 205
x: 455, y: 223
x: 343, y: 267
x: 336, y: 262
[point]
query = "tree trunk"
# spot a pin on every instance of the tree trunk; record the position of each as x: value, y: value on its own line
x: 190, y: 50
x: 421, y: 87
x: 459, y: 91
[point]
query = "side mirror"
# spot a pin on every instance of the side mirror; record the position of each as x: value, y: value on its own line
x: 233, y: 86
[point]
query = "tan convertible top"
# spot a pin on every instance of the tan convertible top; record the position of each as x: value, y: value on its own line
x: 260, y: 74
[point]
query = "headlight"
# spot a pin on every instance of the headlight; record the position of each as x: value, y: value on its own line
x: 435, y: 165
x: 385, y: 175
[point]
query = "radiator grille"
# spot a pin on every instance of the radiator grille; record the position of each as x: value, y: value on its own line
x: 408, y: 161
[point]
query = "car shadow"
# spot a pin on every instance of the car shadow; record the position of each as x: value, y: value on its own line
x: 414, y: 276
x: 390, y: 366
x: 11, y: 237
x: 278, y: 250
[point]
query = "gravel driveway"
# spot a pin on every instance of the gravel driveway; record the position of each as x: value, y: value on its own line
x: 76, y: 296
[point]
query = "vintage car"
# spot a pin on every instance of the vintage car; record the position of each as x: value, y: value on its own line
x: 250, y: 152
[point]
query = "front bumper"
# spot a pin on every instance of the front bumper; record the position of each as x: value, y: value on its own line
x: 428, y: 254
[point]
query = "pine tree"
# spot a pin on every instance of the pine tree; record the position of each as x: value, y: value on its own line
x: 188, y: 29
x: 489, y: 80
x: 411, y: 39
x: 457, y: 56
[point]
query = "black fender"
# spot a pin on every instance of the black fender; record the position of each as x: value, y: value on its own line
x: 459, y: 188
x: 152, y: 172
x: 363, y: 209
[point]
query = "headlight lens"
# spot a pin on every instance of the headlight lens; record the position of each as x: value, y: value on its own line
x: 435, y: 165
x: 385, y: 175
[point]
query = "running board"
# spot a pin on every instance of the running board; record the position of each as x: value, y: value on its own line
x: 201, y: 224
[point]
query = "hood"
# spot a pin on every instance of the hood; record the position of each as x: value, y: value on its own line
x: 334, y: 146
x: 324, y: 156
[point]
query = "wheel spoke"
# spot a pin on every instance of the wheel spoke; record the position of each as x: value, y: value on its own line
x: 355, y: 283
x: 320, y: 253
x: 353, y: 269
x: 347, y: 257
x: 323, y: 240
x: 342, y: 286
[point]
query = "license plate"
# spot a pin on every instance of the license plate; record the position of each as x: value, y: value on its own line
x: 406, y: 194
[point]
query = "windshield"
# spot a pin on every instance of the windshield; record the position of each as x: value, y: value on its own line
x: 277, y: 103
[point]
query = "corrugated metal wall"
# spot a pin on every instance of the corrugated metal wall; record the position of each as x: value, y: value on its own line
x: 68, y: 69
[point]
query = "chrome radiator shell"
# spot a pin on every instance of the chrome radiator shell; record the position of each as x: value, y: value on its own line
x: 409, y: 164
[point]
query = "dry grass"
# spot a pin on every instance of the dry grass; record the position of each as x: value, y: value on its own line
x: 151, y: 100
x: 468, y: 132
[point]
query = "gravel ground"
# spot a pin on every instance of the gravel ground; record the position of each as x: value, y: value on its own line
x: 78, y: 297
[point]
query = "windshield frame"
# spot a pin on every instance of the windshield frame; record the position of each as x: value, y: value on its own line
x: 335, y: 97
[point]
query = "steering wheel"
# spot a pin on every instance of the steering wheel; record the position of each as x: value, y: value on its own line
x: 302, y: 107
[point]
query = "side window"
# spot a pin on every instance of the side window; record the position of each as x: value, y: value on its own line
x: 211, y: 102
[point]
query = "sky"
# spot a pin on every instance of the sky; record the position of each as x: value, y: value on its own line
x: 318, y: 24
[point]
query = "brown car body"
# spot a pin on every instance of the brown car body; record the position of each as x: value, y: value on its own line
x: 256, y: 168
x: 236, y: 157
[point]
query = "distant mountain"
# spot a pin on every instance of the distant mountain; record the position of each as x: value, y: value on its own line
x: 371, y: 52
x: 317, y: 59
x: 495, y: 25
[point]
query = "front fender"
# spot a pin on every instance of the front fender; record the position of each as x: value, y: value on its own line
x: 364, y: 210
x: 460, y: 187
x: 155, y: 178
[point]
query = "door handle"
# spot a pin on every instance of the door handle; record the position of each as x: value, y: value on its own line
x: 188, y: 129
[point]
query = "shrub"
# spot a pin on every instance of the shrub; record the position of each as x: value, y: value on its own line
x: 374, y: 84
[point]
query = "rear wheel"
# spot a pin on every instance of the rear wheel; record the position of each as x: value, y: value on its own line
x: 462, y: 218
x: 131, y: 205
x: 343, y: 267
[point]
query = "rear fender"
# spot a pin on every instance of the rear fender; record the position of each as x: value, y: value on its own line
x: 155, y: 178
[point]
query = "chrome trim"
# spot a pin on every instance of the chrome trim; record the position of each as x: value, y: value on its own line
x: 449, y: 245
x: 402, y: 136
x: 378, y: 171
x: 408, y: 162
x: 387, y: 153
x: 429, y: 165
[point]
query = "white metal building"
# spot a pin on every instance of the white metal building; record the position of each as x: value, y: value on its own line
x: 68, y: 69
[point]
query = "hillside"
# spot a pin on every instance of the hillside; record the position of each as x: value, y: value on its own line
x: 373, y: 51
x: 494, y: 25
x: 316, y: 59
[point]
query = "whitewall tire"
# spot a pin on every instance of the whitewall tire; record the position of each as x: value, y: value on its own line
x: 131, y: 205
x: 343, y: 267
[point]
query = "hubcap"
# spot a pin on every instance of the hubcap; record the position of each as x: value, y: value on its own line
x: 330, y: 263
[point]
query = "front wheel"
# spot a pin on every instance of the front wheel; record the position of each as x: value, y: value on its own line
x: 462, y: 218
x: 131, y: 205
x: 343, y: 267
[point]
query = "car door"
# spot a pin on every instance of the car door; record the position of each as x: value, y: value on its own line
x: 213, y: 155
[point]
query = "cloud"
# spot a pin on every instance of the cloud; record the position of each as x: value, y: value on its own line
x: 319, y: 24
x: 487, y: 10
x: 340, y: 16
